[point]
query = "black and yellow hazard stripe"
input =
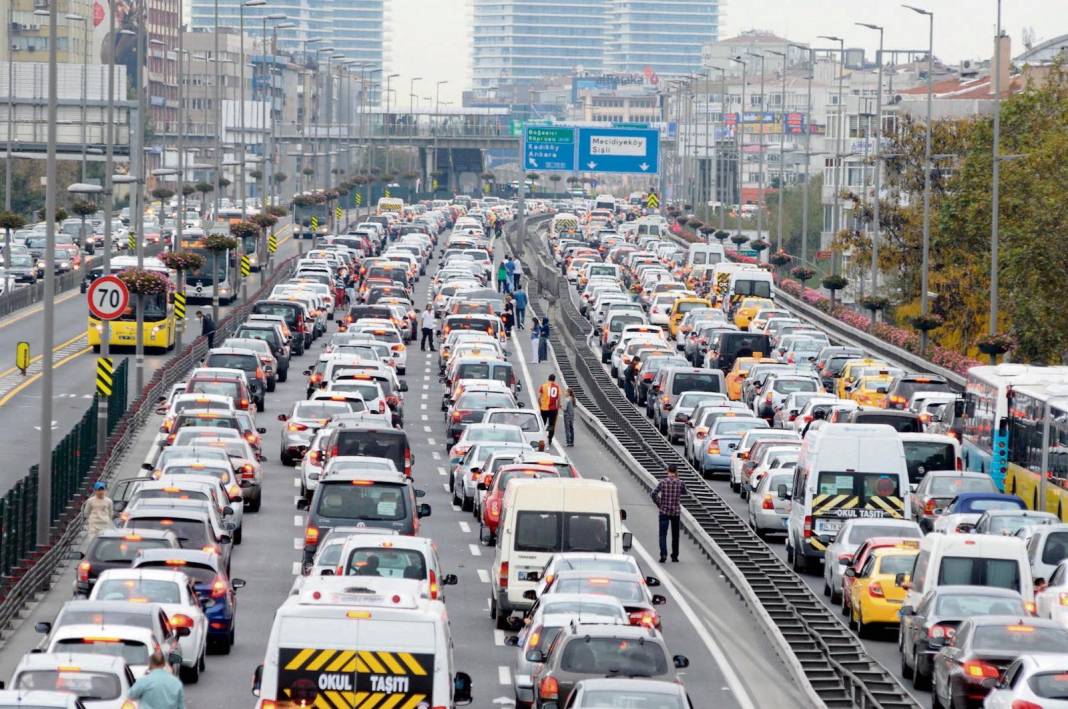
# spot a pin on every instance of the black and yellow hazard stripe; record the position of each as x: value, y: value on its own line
x: 246, y: 266
x: 105, y: 372
x: 362, y: 661
x: 822, y: 504
x: 893, y: 506
x: 331, y: 699
x: 314, y: 223
x: 179, y: 306
x: 339, y: 212
x: 272, y: 243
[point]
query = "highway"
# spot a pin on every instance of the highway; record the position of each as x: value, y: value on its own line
x: 732, y: 664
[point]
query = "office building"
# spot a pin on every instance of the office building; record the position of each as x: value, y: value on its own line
x: 663, y: 35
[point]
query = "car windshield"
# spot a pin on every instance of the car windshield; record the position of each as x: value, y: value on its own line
x: 630, y: 699
x: 321, y: 409
x: 948, y: 486
x: 480, y: 401
x: 372, y: 501
x: 200, y: 573
x: 527, y: 422
x: 496, y: 435
x: 1056, y: 548
x: 614, y: 656
x: 561, y: 531
x: 208, y: 386
x: 695, y: 382
x: 789, y: 386
x: 87, y: 686
x: 1010, y: 524
x: 191, y: 533
x: 975, y: 571
x: 389, y: 563
x: 122, y: 549
x: 893, y: 564
x: 1016, y: 640
x: 134, y: 652
x: 574, y: 606
x: 960, y: 605
x: 987, y: 505
x: 156, y: 591
x: 1050, y: 685
x: 921, y: 456
x: 249, y: 363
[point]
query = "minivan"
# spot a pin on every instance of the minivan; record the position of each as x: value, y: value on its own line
x: 294, y: 317
x: 732, y: 345
x: 362, y: 437
x: 969, y: 560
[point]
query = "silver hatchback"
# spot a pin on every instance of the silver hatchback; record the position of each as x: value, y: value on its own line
x: 768, y: 507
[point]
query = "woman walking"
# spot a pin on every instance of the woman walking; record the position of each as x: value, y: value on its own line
x: 503, y: 281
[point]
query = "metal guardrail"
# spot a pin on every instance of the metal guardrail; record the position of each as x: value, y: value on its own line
x: 31, y: 567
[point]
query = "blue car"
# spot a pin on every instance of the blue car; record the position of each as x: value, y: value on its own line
x: 216, y: 591
x: 966, y: 509
x: 714, y: 455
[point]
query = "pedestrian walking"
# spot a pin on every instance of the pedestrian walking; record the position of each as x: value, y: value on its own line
x: 535, y: 337
x: 508, y: 315
x: 159, y: 689
x: 549, y: 405
x: 99, y: 511
x: 543, y: 341
x: 509, y: 267
x: 569, y: 418
x: 502, y: 278
x: 520, y: 306
x: 429, y: 322
x: 207, y: 327
x: 630, y: 374
x: 517, y: 272
x: 667, y: 496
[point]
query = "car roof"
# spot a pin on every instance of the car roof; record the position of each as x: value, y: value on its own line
x: 52, y: 660
x: 195, y: 556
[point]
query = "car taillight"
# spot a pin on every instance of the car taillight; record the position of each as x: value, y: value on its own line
x: 808, y: 419
x: 248, y: 472
x: 549, y: 689
x: 930, y: 507
x: 458, y: 415
x: 311, y: 536
x: 408, y: 462
x: 434, y: 588
x: 941, y: 632
x: 977, y: 669
x: 645, y: 619
x: 243, y: 405
x: 875, y: 590
x: 397, y: 348
x: 808, y: 526
x: 713, y: 447
x: 218, y: 588
x: 767, y: 503
x: 393, y: 400
x: 960, y: 464
x: 165, y: 427
x: 647, y: 377
x: 493, y: 510
x: 251, y: 437
x: 1024, y: 704
x: 297, y: 427
x: 701, y: 431
x: 83, y: 571
x: 316, y: 378
x: 260, y: 373
x: 180, y: 620
x: 170, y: 438
x: 897, y: 402
x: 502, y: 575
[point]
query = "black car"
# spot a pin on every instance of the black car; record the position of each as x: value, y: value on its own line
x: 116, y: 549
x: 293, y: 313
x: 356, y: 435
x: 272, y: 335
x: 732, y: 345
x: 247, y: 361
x: 966, y: 669
x: 904, y: 386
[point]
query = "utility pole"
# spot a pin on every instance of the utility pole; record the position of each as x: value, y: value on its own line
x: 878, y: 161
x: 761, y: 179
x: 782, y: 150
x: 808, y: 154
x: 927, y: 167
x: 996, y: 179
x: 218, y: 134
x: 137, y: 157
x: 109, y: 206
x: 10, y: 122
x: 739, y: 131
x: 838, y: 145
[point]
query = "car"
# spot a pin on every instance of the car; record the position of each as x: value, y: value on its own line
x: 302, y: 423
x: 768, y: 507
x: 476, y: 433
x: 1009, y: 522
x: 247, y: 361
x: 40, y: 699
x: 1031, y: 681
x: 939, y: 487
x: 713, y: 456
x: 854, y: 532
x: 967, y: 507
x: 929, y: 625
x: 470, y: 407
x: 393, y: 556
x: 628, y: 585
x: 116, y: 549
x: 624, y: 691
x: 215, y: 589
x: 528, y: 421
x: 876, y: 591
x: 96, y: 680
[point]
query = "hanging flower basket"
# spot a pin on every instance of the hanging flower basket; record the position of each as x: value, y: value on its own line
x: 330, y: 195
x: 706, y: 229
x: 874, y: 303
x: 997, y: 344
x: 739, y: 239
x: 220, y: 242
x: 144, y: 282
x: 240, y: 230
x: 182, y: 260
x: 264, y: 221
x: 926, y: 323
x: 721, y: 235
x: 823, y: 255
x: 303, y: 200
x: 695, y: 223
x: 779, y: 258
x: 682, y: 219
x: 802, y: 273
x: 277, y: 210
x: 759, y: 245
x: 834, y: 283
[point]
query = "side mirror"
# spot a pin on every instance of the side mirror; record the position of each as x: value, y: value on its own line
x: 521, y: 404
x: 652, y: 581
x: 482, y: 486
x: 229, y: 526
x: 659, y: 600
x: 512, y: 641
x: 237, y: 583
x: 261, y: 430
x: 227, y: 511
x: 147, y: 466
x: 424, y: 510
x: 965, y: 527
x: 846, y: 558
x: 302, y: 503
x: 44, y: 627
x: 850, y: 572
x: 307, y: 372
x: 907, y: 610
x: 535, y: 656
x: 257, y: 680
x: 118, y: 505
x: 628, y: 541
x: 680, y: 661
x: 449, y: 580
x: 530, y: 595
x: 623, y: 515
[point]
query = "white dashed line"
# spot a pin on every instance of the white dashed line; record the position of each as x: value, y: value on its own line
x: 424, y: 417
x: 430, y: 441
x: 298, y: 520
x: 424, y: 395
x: 498, y: 638
x: 465, y: 527
x: 422, y: 406
x: 435, y: 455
x: 296, y: 568
x: 475, y: 551
x: 427, y: 428
x: 441, y: 470
x: 298, y: 543
x: 296, y: 481
x: 445, y: 487
x: 483, y: 575
x: 504, y: 675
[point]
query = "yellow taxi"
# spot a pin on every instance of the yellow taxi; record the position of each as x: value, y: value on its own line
x: 875, y: 597
x: 749, y: 307
x: 849, y: 372
x: 680, y: 308
x: 736, y: 377
x: 871, y: 390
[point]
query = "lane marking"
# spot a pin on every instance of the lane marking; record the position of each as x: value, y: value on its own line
x: 298, y: 520
x: 465, y: 527
x: 498, y: 638
x: 424, y: 417
x: 296, y: 568
x: 296, y: 482
x: 445, y: 487
x: 422, y: 407
x: 435, y: 455
x: 427, y: 428
x: 298, y: 543
x: 483, y: 575
x: 504, y: 675
x: 475, y: 551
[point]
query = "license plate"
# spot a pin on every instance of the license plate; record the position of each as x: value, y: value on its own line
x: 828, y: 526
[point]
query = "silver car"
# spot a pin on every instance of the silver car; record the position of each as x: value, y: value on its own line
x: 684, y: 407
x: 854, y: 532
x: 768, y: 507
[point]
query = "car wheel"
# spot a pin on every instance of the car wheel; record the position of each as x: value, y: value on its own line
x: 921, y: 677
x: 238, y: 534
x: 826, y: 587
x: 466, y: 503
x: 863, y: 630
x: 456, y: 494
x: 836, y: 594
x: 906, y: 671
x: 272, y: 384
x: 261, y: 405
x: 202, y: 664
x: 936, y: 702
x: 674, y: 440
x: 286, y: 458
x: 283, y: 375
x: 254, y: 503
x: 190, y: 675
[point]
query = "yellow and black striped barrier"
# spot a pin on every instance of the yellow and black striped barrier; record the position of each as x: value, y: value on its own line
x: 132, y: 241
x: 179, y: 306
x: 339, y: 212
x: 652, y: 201
x: 272, y: 243
x: 105, y: 373
x: 314, y: 223
x: 246, y: 266
x: 357, y: 198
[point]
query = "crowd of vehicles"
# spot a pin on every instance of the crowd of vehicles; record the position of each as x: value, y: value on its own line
x: 919, y: 505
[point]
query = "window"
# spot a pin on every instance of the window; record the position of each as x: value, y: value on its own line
x: 542, y: 531
x: 974, y: 571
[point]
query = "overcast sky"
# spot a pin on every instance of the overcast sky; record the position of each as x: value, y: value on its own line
x: 431, y: 38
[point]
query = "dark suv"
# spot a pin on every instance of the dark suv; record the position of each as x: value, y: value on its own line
x: 272, y: 335
x: 247, y: 361
x: 116, y: 549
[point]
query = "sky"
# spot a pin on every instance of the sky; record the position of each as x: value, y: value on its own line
x: 431, y: 38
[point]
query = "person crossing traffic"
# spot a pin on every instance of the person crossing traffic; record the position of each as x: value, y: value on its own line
x: 668, y: 499
x: 429, y: 322
x: 549, y: 404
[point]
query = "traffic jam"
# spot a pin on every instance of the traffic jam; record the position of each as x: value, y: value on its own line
x: 577, y: 622
x: 852, y: 467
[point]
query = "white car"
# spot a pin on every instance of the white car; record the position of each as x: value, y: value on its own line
x: 101, y: 681
x: 392, y: 337
x: 1038, y: 680
x: 130, y: 642
x: 528, y: 421
x: 172, y: 591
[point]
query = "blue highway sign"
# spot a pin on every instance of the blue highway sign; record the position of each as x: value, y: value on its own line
x: 549, y: 148
x: 623, y: 150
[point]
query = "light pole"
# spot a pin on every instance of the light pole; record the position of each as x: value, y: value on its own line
x: 926, y: 170
x: 782, y: 151
x: 838, y: 143
x: 137, y: 157
x: 241, y: 109
x: 739, y: 125
x: 760, y: 174
x: 105, y: 335
x: 878, y: 161
x: 217, y: 90
x: 996, y: 183
x: 723, y: 111
x: 411, y: 115
x: 271, y: 136
x: 11, y: 110
x: 385, y: 120
x: 85, y: 68
x: 808, y: 147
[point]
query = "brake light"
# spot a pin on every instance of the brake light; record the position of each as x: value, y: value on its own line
x: 502, y: 575
x: 808, y: 526
x: 313, y: 458
x: 218, y: 588
x: 251, y: 437
x: 645, y: 619
x: 767, y: 503
x: 647, y: 377
x: 434, y: 588
x: 960, y: 463
x: 83, y: 571
x: 311, y: 536
x: 397, y: 348
x: 1024, y: 704
x: 941, y: 632
x: 493, y: 510
x: 875, y: 590
x: 713, y: 447
x: 701, y: 431
x: 977, y: 669
x: 457, y: 415
x: 248, y: 472
x: 316, y: 378
x: 297, y: 427
x: 549, y: 689
x: 260, y: 373
x: 180, y: 620
x: 930, y: 507
x: 165, y: 427
x: 408, y: 462
x: 244, y: 404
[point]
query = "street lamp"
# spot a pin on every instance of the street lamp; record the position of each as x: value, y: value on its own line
x: 995, y: 194
x: 241, y: 111
x: 808, y: 145
x: 385, y: 119
x: 878, y: 161
x: 85, y: 67
x: 716, y: 171
x: 760, y: 174
x: 838, y: 144
x: 782, y: 149
x: 926, y: 170
x: 739, y: 126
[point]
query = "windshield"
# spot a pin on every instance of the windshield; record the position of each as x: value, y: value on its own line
x: 557, y: 531
x: 496, y: 435
x: 626, y: 698
x: 135, y: 653
x: 204, y: 272
x: 192, y: 534
x: 527, y: 422
x: 1010, y: 524
x: 959, y: 605
x: 484, y: 400
x: 865, y: 485
x: 389, y: 563
x: 626, y: 590
x: 374, y: 501
x: 1050, y: 685
x: 155, y: 308
x: 119, y: 549
x: 208, y: 386
x: 727, y: 427
x: 321, y: 409
x: 975, y: 571
x: 87, y: 686
x: 1016, y: 640
x: 155, y: 591
x: 614, y: 656
x: 249, y: 363
x: 921, y: 456
x: 695, y: 381
x: 789, y: 386
x: 749, y: 287
x: 893, y: 564
x: 945, y: 486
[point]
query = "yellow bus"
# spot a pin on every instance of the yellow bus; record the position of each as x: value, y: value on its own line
x: 159, y: 324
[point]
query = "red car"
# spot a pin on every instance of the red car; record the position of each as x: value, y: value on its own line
x: 495, y: 486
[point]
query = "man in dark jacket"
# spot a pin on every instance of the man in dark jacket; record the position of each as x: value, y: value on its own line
x: 630, y: 374
x: 207, y: 328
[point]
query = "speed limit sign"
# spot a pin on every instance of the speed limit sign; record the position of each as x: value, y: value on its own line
x: 108, y: 297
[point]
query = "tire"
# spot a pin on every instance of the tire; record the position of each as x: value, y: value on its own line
x: 673, y: 440
x: 239, y: 534
x: 836, y: 596
x: 283, y: 375
x: 272, y: 384
x: 257, y: 500
x: 500, y: 619
x: 906, y: 671
x: 466, y: 503
x: 287, y: 459
x: 864, y: 630
x: 261, y: 405
x: 936, y: 703
x: 190, y: 675
x: 826, y: 587
x: 921, y: 680
x: 455, y: 494
x: 736, y: 487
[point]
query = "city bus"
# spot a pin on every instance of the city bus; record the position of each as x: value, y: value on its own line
x: 985, y: 421
x: 219, y: 269
x: 1028, y: 408
x: 390, y: 204
x: 159, y: 324
x: 249, y: 244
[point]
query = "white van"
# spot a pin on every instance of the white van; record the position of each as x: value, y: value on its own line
x: 547, y: 516
x: 337, y: 642
x: 563, y: 223
x: 970, y: 560
x: 930, y: 451
x: 844, y: 471
x: 605, y: 201
x: 706, y: 254
x: 749, y: 281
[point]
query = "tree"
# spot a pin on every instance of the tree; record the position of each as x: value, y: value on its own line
x: 255, y: 174
x: 162, y: 193
x: 9, y: 221
x: 188, y: 189
x: 555, y: 179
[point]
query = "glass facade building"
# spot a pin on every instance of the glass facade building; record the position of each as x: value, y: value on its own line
x: 663, y: 35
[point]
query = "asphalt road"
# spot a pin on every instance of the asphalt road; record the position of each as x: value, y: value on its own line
x: 732, y: 665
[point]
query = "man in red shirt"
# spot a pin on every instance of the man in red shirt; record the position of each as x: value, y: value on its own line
x: 549, y: 404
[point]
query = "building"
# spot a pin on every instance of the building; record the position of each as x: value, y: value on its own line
x: 662, y: 35
x: 719, y: 53
x: 25, y: 34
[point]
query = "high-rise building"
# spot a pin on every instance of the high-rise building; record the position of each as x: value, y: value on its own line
x: 521, y: 41
x: 663, y: 35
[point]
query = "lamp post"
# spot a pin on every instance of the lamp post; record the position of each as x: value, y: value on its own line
x: 723, y: 110
x: 217, y: 90
x: 996, y: 186
x: 11, y: 109
x: 137, y: 157
x: 808, y: 146
x: 85, y: 68
x: 878, y: 161
x: 385, y: 120
x: 926, y: 170
x: 272, y: 147
x: 760, y: 174
x: 782, y: 151
x: 738, y: 136
x: 412, y: 96
x: 836, y: 212
x: 241, y: 109
x: 317, y: 142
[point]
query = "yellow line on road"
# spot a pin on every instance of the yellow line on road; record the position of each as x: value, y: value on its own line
x: 57, y: 348
x: 31, y: 379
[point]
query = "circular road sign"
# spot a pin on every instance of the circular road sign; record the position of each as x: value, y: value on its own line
x: 108, y: 297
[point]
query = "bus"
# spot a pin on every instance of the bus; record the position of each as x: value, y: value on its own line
x: 199, y: 283
x: 390, y: 204
x: 1027, y: 411
x: 985, y: 433
x: 249, y: 244
x: 159, y: 323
